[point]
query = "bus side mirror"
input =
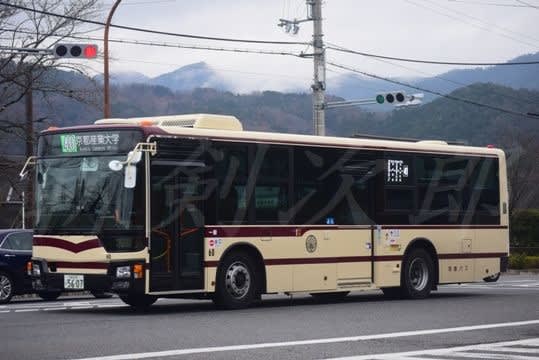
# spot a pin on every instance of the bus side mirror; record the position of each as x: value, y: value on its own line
x: 134, y: 156
x: 130, y: 177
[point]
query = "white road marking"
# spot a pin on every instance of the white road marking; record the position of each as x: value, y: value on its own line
x: 213, y: 349
x: 77, y: 303
x: 478, y: 351
x: 21, y: 308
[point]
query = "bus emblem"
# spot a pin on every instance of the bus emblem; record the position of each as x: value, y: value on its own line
x: 310, y: 243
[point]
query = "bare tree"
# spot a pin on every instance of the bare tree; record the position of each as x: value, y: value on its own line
x: 522, y: 150
x: 25, y: 71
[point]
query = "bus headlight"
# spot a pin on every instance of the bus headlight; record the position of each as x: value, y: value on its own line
x: 123, y: 272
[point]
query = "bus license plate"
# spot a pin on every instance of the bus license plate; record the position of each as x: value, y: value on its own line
x: 74, y: 282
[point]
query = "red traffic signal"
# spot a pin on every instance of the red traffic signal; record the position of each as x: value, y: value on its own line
x: 85, y: 51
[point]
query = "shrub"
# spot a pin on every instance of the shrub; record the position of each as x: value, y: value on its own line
x: 517, y: 261
x: 532, y: 262
x: 525, y: 228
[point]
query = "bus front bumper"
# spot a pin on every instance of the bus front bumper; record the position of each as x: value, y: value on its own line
x: 45, y: 280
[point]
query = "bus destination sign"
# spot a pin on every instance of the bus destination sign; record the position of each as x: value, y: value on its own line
x: 74, y: 143
x: 88, y: 142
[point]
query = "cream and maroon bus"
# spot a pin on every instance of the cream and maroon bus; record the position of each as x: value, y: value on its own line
x: 193, y: 206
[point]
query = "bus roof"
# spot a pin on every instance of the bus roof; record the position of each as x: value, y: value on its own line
x: 229, y: 128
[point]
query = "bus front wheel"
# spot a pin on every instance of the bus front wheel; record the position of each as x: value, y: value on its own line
x: 418, y: 274
x: 138, y: 301
x: 49, y: 295
x: 236, y: 286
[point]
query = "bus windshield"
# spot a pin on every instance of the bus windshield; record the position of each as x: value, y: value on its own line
x: 83, y: 195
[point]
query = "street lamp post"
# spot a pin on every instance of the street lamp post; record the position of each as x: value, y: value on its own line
x: 106, y: 91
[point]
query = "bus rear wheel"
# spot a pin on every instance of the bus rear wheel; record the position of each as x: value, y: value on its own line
x: 236, y: 285
x: 138, y: 301
x: 418, y: 275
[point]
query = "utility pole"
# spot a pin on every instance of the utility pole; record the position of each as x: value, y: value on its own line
x: 319, y: 84
x: 29, y: 129
x: 314, y: 14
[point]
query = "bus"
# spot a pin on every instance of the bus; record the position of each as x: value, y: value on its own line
x: 193, y: 206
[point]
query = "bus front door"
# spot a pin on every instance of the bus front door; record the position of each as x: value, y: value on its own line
x: 177, y: 220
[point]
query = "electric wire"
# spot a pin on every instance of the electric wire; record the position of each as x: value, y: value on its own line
x: 484, y: 28
x: 434, y: 62
x: 151, y: 31
x: 461, y: 84
x: 486, y: 23
x: 447, y: 96
x: 488, y: 3
x: 528, y: 4
x: 167, y: 44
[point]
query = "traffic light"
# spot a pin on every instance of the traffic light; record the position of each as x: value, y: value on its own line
x: 395, y: 98
x: 84, y: 51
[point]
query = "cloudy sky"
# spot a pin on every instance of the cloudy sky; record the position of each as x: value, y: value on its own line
x: 445, y: 30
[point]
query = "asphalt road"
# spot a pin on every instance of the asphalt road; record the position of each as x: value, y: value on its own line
x: 481, y: 321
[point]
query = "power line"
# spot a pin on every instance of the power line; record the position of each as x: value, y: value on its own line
x: 447, y: 96
x: 150, y: 31
x: 435, y: 62
x: 528, y: 4
x: 166, y: 44
x: 465, y: 14
x: 488, y: 3
x: 521, y: 101
x: 485, y: 28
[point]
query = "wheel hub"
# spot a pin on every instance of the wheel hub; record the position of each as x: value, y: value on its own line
x: 238, y: 280
x: 418, y: 274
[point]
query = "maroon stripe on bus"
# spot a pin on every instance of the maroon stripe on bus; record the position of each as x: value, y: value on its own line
x: 66, y: 245
x: 443, y: 227
x: 296, y: 231
x: 329, y: 260
x: 80, y: 265
x: 326, y: 260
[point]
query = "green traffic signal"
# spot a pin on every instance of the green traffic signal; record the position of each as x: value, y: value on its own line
x: 380, y: 99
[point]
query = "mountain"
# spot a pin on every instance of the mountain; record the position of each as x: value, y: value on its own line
x: 349, y: 85
x: 186, y: 78
x: 352, y: 86
x: 128, y: 77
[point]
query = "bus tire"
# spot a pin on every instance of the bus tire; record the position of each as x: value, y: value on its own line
x: 138, y: 301
x: 418, y: 274
x: 100, y: 294
x: 7, y: 287
x: 236, y: 286
x: 49, y: 295
x: 392, y: 292
x: 330, y: 296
